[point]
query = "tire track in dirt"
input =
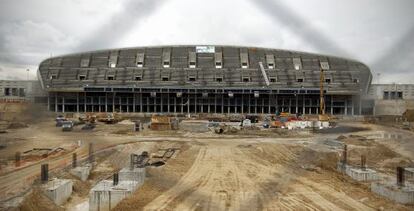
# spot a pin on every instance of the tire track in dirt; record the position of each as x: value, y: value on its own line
x: 228, y: 177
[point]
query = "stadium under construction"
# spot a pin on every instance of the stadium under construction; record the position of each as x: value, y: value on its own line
x: 203, y: 79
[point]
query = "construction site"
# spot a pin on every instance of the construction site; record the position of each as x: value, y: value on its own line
x: 205, y: 128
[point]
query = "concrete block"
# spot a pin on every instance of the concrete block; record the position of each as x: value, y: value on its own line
x: 342, y: 168
x: 105, y: 196
x: 409, y: 174
x: 136, y: 175
x: 194, y: 125
x: 357, y: 173
x: 403, y: 195
x: 362, y: 175
x: 82, y: 172
x: 58, y: 190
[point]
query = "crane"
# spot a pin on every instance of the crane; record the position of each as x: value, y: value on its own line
x: 322, y: 113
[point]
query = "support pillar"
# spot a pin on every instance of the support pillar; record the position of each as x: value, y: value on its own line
x: 63, y: 104
x: 48, y: 102
x: 56, y: 102
x: 113, y: 101
x: 77, y: 102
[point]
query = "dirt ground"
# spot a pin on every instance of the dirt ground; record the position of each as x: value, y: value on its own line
x: 250, y: 170
x: 262, y: 176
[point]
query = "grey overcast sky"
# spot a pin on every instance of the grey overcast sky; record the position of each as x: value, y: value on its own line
x: 379, y: 33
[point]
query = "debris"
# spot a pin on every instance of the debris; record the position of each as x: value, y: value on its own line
x: 17, y: 125
x: 88, y: 126
x: 159, y: 122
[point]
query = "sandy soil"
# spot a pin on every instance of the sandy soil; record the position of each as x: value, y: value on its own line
x: 268, y: 171
x: 256, y: 177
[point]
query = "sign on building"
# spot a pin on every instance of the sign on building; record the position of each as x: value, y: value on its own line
x: 205, y: 49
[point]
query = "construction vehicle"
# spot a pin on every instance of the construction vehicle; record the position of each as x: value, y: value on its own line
x: 109, y: 118
x: 322, y: 113
x: 67, y: 126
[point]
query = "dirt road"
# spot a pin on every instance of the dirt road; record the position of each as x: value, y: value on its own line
x: 232, y: 177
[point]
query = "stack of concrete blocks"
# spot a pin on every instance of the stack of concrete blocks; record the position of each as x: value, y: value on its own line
x: 58, y: 190
x: 105, y: 195
x: 82, y: 172
x: 399, y: 194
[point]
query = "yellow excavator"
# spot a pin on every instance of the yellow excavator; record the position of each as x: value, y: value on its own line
x: 322, y: 115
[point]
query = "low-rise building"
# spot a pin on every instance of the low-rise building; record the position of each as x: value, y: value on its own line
x: 22, y: 90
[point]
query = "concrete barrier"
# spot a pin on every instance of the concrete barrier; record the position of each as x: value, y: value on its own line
x: 58, y: 190
x: 105, y: 196
x: 403, y: 195
x: 82, y: 172
x: 135, y: 174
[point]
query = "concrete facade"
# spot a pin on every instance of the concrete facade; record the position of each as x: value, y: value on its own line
x: 22, y: 90
x: 391, y: 99
x: 202, y: 79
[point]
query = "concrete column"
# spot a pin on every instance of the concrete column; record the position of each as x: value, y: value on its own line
x: 255, y: 105
x: 168, y: 101
x: 269, y: 101
x: 84, y: 101
x: 140, y: 101
x: 242, y: 106
x: 189, y: 102
x: 303, y: 104
x: 290, y: 105
x: 297, y: 104
x: 74, y: 160
x: 346, y: 106
x: 77, y: 102
x: 113, y: 101
x: 63, y: 104
x: 48, y: 101
x: 222, y: 103
x: 277, y: 104
x: 99, y: 104
x: 162, y: 99
x: 127, y: 104
x: 56, y: 102
x: 134, y: 102
x: 175, y: 104
x: 195, y: 103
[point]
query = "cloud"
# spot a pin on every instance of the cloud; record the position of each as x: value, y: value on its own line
x: 28, y: 42
x: 370, y: 31
x: 119, y: 24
